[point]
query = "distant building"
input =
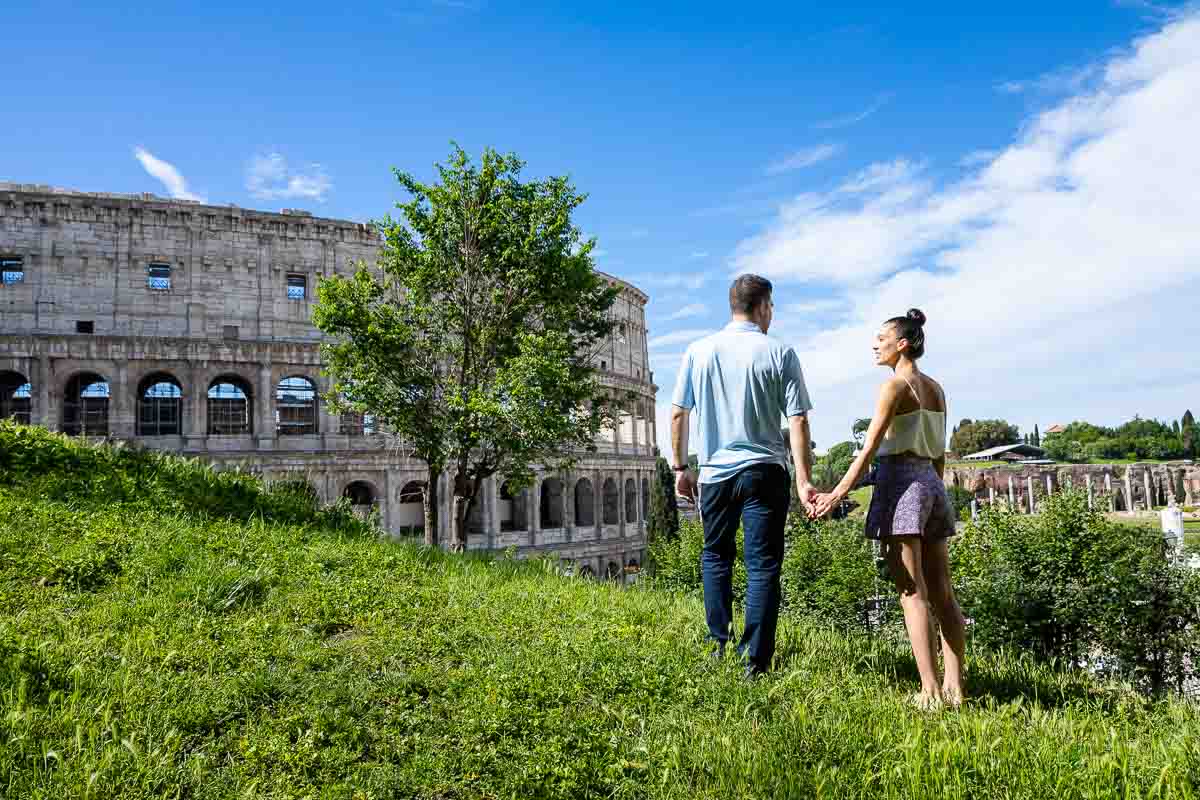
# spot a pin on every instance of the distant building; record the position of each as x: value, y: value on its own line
x: 1054, y: 429
x: 1009, y: 452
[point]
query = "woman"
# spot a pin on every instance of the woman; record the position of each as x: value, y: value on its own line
x: 910, y: 513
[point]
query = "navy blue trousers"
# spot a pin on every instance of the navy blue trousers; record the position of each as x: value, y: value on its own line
x: 758, y: 498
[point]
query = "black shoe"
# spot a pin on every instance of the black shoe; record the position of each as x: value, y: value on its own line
x: 753, y: 673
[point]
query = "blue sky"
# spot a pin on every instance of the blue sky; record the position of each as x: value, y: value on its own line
x: 981, y: 164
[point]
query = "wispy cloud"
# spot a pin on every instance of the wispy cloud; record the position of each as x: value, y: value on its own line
x: 1037, y: 239
x: 690, y: 310
x: 677, y: 337
x: 691, y: 280
x: 803, y: 158
x: 1059, y: 81
x: 167, y: 174
x: 855, y: 118
x: 699, y: 254
x: 268, y: 177
x: 810, y: 307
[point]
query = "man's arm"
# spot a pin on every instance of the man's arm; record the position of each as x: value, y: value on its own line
x: 685, y: 481
x: 800, y: 442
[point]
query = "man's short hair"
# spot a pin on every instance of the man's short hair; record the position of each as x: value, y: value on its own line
x: 747, y: 292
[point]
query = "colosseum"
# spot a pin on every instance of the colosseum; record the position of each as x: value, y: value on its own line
x: 187, y: 327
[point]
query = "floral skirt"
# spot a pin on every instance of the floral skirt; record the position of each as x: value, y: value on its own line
x: 909, y: 500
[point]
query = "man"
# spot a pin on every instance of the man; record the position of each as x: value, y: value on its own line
x: 740, y: 382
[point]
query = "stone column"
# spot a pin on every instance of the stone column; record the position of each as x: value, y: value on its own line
x: 1149, y: 489
x: 264, y: 403
x: 535, y: 509
x: 621, y: 502
x: 1112, y: 501
x: 991, y: 495
x: 598, y: 505
x: 1029, y: 483
x: 1129, y: 490
x: 1091, y: 498
x: 1012, y: 494
x: 45, y: 412
x: 564, y: 498
x: 122, y: 404
x: 974, y: 510
x: 1049, y: 485
x: 196, y: 428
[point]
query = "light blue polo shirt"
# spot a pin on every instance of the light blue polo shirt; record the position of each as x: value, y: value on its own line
x: 741, y: 383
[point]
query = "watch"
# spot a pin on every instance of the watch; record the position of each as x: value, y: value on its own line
x: 679, y: 469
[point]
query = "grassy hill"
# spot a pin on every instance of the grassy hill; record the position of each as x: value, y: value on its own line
x: 168, y: 632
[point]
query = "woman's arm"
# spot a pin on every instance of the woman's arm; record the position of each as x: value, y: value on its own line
x: 939, y: 463
x: 885, y: 408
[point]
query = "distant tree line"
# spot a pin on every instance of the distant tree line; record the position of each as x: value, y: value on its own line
x: 1139, y: 438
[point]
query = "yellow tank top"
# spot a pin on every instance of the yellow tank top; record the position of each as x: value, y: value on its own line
x: 921, y: 433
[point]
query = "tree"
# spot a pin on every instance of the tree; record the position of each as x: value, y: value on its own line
x: 1037, y: 437
x: 663, y: 520
x: 1189, y: 434
x: 473, y: 337
x: 982, y: 434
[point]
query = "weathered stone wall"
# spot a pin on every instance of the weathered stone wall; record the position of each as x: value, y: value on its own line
x: 226, y: 313
x: 1124, y: 484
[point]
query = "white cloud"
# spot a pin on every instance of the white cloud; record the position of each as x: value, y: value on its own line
x: 690, y: 310
x: 679, y: 280
x: 1069, y: 257
x: 268, y: 177
x: 855, y: 118
x: 686, y: 336
x: 815, y: 306
x: 166, y: 173
x: 699, y: 254
x: 804, y: 158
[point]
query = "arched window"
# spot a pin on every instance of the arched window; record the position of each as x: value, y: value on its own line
x: 585, y: 503
x: 612, y: 502
x: 356, y: 424
x: 85, y: 406
x: 631, y: 500
x: 645, y: 499
x: 552, y: 505
x: 586, y: 572
x: 16, y: 398
x: 229, y: 407
x: 160, y: 398
x: 413, y: 492
x: 295, y: 407
x: 613, y: 571
x: 360, y: 494
x: 513, y: 516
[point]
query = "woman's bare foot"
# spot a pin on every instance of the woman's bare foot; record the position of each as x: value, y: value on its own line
x: 953, y: 696
x: 926, y: 701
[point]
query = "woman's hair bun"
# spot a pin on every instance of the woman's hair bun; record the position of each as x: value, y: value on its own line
x: 916, y: 315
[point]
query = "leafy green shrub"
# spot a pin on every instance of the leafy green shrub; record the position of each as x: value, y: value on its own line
x: 960, y: 499
x: 829, y: 570
x: 56, y: 466
x: 1070, y: 585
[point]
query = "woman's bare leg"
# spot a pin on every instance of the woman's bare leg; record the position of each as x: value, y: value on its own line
x: 904, y: 559
x: 936, y: 563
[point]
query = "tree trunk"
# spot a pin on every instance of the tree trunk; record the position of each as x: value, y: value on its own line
x: 429, y: 499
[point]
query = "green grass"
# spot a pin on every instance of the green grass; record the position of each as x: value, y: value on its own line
x: 164, y: 653
x: 862, y: 497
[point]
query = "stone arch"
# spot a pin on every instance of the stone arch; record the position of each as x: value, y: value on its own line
x: 86, y: 405
x: 613, y: 571
x: 361, y: 494
x: 159, y: 405
x: 16, y: 397
x: 299, y: 483
x: 512, y: 508
x: 585, y: 503
x: 612, y: 502
x: 410, y: 515
x: 551, y: 511
x: 645, y: 498
x: 631, y: 500
x: 296, y: 407
x: 586, y: 571
x: 230, y: 406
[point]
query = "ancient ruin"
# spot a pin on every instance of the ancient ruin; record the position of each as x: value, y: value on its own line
x: 186, y: 327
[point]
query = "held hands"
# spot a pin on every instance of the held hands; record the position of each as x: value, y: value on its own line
x: 685, y: 485
x: 825, y: 503
x: 808, y: 495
